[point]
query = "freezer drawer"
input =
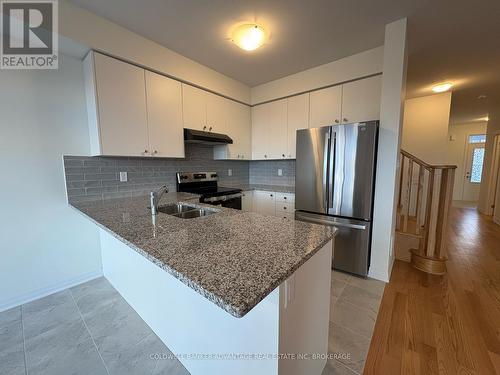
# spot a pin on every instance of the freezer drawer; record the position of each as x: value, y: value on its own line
x: 352, y: 242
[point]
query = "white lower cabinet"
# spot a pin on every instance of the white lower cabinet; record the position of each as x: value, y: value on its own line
x: 247, y: 201
x: 264, y: 202
x: 274, y: 204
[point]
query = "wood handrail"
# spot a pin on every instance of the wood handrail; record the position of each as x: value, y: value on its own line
x: 426, y: 165
x: 423, y: 210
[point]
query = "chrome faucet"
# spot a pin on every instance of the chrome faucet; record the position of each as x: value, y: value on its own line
x: 155, y: 197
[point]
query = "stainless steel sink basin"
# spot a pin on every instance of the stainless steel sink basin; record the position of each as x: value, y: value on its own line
x: 195, y: 213
x: 175, y: 208
x: 184, y: 211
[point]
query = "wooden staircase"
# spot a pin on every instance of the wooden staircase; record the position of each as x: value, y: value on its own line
x: 425, y: 193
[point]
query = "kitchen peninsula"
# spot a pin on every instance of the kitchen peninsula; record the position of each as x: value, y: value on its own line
x: 230, y: 292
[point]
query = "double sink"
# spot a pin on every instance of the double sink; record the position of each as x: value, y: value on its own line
x: 185, y: 211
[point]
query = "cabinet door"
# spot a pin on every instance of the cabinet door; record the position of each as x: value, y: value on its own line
x: 194, y: 108
x: 264, y: 202
x: 297, y: 118
x: 239, y: 128
x: 361, y: 100
x: 260, y: 118
x: 217, y: 108
x: 277, y: 133
x: 244, y: 138
x: 164, y: 108
x: 121, y: 96
x: 325, y: 107
x: 247, y: 201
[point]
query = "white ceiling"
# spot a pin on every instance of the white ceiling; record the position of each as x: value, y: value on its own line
x: 449, y: 40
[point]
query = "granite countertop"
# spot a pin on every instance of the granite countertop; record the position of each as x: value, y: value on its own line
x: 233, y: 258
x: 274, y: 188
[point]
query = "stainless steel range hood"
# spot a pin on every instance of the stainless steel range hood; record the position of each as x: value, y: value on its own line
x: 206, y: 138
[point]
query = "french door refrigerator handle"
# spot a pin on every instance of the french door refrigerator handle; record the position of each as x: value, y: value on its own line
x: 331, y: 168
x: 326, y: 165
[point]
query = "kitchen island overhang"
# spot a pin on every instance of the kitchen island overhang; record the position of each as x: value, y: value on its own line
x: 289, y: 317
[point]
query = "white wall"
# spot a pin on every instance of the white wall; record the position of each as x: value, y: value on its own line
x: 391, y: 120
x: 456, y: 150
x: 98, y: 33
x: 487, y: 191
x: 46, y: 245
x: 353, y: 67
x: 425, y: 127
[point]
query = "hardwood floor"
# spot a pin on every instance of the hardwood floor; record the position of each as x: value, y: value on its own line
x: 444, y: 324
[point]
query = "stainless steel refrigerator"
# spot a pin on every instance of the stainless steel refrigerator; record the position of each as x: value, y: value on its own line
x: 334, y: 184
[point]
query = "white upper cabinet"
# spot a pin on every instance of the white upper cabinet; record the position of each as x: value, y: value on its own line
x: 164, y: 108
x: 203, y: 110
x: 116, y: 105
x: 131, y: 111
x: 217, y: 113
x: 194, y: 107
x: 239, y: 129
x: 325, y: 107
x: 277, y: 129
x: 269, y: 135
x: 260, y: 122
x: 297, y: 118
x: 361, y: 100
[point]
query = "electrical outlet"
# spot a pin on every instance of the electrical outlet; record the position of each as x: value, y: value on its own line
x: 123, y: 177
x: 229, y: 172
x: 280, y: 172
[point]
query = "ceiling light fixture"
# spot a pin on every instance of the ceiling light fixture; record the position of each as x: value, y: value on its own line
x: 248, y: 36
x: 442, y: 87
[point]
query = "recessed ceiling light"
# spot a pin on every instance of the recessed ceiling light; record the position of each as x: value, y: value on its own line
x: 482, y: 96
x: 248, y: 36
x: 442, y: 87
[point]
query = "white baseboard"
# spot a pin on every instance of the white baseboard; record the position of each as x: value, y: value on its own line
x: 51, y: 289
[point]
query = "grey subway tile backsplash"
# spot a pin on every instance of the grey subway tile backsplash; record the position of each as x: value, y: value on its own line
x: 95, y: 178
x: 265, y: 172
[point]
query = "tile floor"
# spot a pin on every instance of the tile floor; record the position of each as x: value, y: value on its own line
x: 353, y: 311
x: 90, y: 329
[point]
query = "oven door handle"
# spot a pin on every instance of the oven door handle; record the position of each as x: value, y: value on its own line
x: 223, y: 198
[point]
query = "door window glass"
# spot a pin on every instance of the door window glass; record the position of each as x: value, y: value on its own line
x: 477, y: 138
x: 477, y: 165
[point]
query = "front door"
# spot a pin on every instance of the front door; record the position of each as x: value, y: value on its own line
x: 473, y: 171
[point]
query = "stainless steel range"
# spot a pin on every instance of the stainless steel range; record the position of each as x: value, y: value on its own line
x: 206, y: 185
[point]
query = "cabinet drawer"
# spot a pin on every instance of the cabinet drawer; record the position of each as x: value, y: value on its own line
x: 265, y: 194
x: 286, y: 215
x: 285, y: 207
x: 285, y: 197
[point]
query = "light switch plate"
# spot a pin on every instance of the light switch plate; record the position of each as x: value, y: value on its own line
x: 123, y: 177
x: 229, y: 172
x: 280, y: 172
